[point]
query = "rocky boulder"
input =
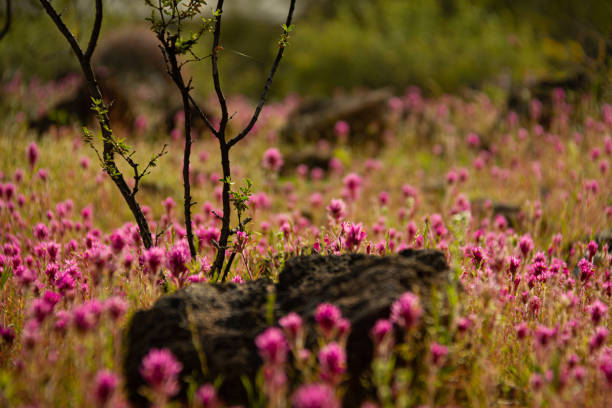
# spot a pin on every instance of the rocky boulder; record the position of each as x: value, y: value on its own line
x: 366, y: 113
x: 224, y: 319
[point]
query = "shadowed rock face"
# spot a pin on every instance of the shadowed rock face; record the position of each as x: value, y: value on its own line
x: 224, y: 319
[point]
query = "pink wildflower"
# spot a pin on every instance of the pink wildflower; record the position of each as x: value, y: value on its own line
x: 536, y: 381
x: 587, y: 270
x: 438, y: 352
x: 327, y: 316
x: 292, y: 325
x: 381, y: 330
x: 32, y: 153
x: 41, y: 231
x: 7, y: 334
x: 206, y: 396
x: 521, y: 330
x: 592, y: 249
x: 85, y: 317
x: 116, y: 307
x: 154, y: 257
x: 352, y: 185
x: 525, y: 244
x: 353, y: 236
x: 161, y: 369
x: 342, y: 129
x: 332, y: 362
x: 406, y: 311
x: 272, y: 346
x: 543, y: 335
x: 336, y: 209
x: 272, y: 160
x: 599, y: 338
x: 105, y: 384
x: 598, y: 310
x: 605, y: 365
x: 315, y: 396
x: 473, y: 140
x: 117, y: 241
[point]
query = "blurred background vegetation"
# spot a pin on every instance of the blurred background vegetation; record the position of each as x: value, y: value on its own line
x: 441, y: 46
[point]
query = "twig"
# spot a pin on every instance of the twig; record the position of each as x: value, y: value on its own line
x: 264, y: 94
x: 152, y: 163
x: 228, y: 266
x: 8, y: 19
x: 215, y: 66
x: 95, y: 32
x: 203, y: 117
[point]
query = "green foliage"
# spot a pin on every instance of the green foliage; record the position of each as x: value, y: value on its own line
x: 284, y: 41
x: 118, y: 146
x: 440, y: 45
x: 241, y: 197
x: 399, y: 43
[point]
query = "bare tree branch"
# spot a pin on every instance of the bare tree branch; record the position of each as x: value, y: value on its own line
x: 228, y: 266
x: 8, y: 19
x: 264, y: 94
x: 74, y: 44
x: 203, y: 116
x: 95, y: 32
x: 215, y: 67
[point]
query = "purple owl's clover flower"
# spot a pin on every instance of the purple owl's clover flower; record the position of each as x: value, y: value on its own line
x: 160, y: 369
x: 406, y: 311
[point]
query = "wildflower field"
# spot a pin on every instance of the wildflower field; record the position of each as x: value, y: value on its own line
x: 528, y: 297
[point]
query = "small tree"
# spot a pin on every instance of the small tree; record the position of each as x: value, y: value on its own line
x: 169, y: 22
x: 111, y: 145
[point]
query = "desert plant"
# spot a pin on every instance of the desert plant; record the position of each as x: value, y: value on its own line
x: 111, y: 144
x: 169, y: 20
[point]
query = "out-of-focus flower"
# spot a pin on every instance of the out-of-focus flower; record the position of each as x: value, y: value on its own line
x: 272, y: 346
x: 406, y: 311
x: 160, y: 369
x: 105, y: 384
x: 272, y: 160
x: 315, y: 396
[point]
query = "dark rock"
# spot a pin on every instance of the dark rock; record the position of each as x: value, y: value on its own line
x: 131, y: 72
x: 309, y: 158
x: 75, y: 108
x: 366, y: 113
x: 225, y: 318
x: 512, y: 213
x: 131, y: 56
x: 197, y: 124
x: 520, y: 97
